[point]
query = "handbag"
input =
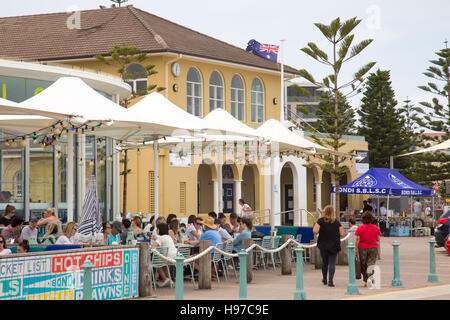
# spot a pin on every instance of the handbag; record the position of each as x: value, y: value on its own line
x: 357, y: 268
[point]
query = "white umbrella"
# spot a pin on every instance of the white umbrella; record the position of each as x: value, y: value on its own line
x: 441, y: 146
x: 91, y: 219
x: 220, y: 122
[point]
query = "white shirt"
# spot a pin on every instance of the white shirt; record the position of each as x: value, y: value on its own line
x: 5, y: 251
x: 189, y: 234
x: 428, y: 211
x: 382, y: 211
x: 417, y: 206
x: 224, y: 234
x: 167, y: 241
x: 231, y: 227
x: 64, y: 240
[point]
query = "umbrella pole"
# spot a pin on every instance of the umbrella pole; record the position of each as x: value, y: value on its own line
x: 156, y: 169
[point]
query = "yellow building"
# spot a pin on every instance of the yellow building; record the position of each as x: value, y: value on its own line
x: 200, y: 74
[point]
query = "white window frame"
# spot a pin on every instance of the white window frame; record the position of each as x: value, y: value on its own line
x: 255, y: 103
x: 214, y: 89
x: 190, y: 95
x: 234, y: 99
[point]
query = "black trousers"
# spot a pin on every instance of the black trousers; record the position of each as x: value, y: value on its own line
x: 328, y: 264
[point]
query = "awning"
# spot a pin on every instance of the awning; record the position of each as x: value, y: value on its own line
x: 441, y: 146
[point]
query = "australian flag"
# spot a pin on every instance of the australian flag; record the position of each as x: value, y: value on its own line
x: 266, y: 51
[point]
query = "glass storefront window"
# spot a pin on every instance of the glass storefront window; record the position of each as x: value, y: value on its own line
x: 11, y: 180
x: 41, y: 179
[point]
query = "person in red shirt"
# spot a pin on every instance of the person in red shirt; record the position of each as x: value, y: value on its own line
x: 367, y: 237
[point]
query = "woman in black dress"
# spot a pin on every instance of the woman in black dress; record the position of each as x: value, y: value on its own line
x: 329, y: 243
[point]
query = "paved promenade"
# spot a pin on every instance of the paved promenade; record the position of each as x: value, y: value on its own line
x: 269, y: 284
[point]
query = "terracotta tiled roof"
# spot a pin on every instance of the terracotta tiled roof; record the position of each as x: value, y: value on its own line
x: 46, y: 37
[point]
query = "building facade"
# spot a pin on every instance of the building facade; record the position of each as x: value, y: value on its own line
x: 200, y: 74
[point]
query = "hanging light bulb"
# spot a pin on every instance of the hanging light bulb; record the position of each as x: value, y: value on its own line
x: 138, y: 152
x: 35, y: 135
x: 58, y: 155
x: 80, y: 162
x: 93, y: 130
x: 91, y: 163
x: 14, y: 143
x: 23, y: 143
x: 110, y: 159
x: 7, y: 143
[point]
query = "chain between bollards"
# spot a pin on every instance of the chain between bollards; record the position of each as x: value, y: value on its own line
x: 179, y: 279
x: 299, y: 293
x: 396, y: 282
x: 352, y: 287
x: 243, y: 275
x: 87, y: 280
x: 432, y: 277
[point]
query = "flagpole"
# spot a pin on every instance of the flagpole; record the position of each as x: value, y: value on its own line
x: 282, y: 111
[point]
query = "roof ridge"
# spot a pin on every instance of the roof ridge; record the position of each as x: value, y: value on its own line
x: 157, y: 37
x: 198, y: 32
x: 62, y: 12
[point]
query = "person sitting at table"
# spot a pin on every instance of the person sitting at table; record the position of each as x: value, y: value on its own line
x: 68, y: 235
x: 116, y: 230
x: 50, y: 216
x: 170, y: 217
x: 245, y: 227
x: 213, y: 235
x: 150, y: 226
x: 183, y: 228
x: 30, y: 230
x: 174, y: 231
x: 50, y: 236
x: 164, y: 240
x: 136, y: 224
x: 13, y: 230
x: 155, y: 233
x: 23, y: 246
x: 7, y: 216
x: 212, y: 214
x: 126, y: 224
x: 224, y: 235
x: 192, y: 231
x: 3, y: 249
x: 232, y: 226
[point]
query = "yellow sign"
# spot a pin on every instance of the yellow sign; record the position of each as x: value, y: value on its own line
x: 447, y: 200
x: 63, y: 295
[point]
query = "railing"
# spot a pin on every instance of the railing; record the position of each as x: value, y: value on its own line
x: 258, y: 222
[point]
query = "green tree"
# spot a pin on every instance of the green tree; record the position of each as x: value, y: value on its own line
x: 435, y: 116
x: 382, y: 124
x: 341, y: 40
x: 122, y: 57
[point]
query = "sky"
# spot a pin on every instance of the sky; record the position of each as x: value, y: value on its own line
x: 406, y: 33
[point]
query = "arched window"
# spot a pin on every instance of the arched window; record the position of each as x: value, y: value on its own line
x: 136, y: 77
x: 194, y: 93
x: 257, y: 101
x: 237, y: 98
x: 215, y: 91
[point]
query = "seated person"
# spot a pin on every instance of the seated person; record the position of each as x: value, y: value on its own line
x: 3, y: 249
x: 232, y: 226
x: 116, y: 230
x: 193, y: 229
x: 23, y: 246
x: 164, y: 240
x: 68, y: 235
x: 224, y: 235
x: 13, y: 230
x: 126, y: 225
x: 174, y: 231
x: 245, y: 227
x: 50, y: 236
x: 30, y: 230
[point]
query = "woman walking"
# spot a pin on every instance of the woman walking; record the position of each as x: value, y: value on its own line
x: 330, y: 231
x: 367, y: 237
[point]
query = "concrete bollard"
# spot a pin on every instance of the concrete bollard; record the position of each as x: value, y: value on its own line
x: 352, y: 287
x: 243, y: 275
x: 179, y: 279
x: 87, y: 280
x: 432, y: 277
x: 286, y: 257
x: 204, y: 274
x: 396, y: 282
x: 299, y: 293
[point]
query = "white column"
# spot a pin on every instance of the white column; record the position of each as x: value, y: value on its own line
x: 237, y: 194
x: 215, y: 195
x: 116, y: 185
x: 70, y: 178
x: 220, y: 186
x: 156, y: 169
x: 275, y: 207
x: 282, y: 82
x: 318, y: 196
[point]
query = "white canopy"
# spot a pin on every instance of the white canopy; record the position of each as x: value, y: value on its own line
x: 71, y: 99
x: 220, y: 122
x: 441, y: 146
x: 276, y: 132
x: 6, y: 106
